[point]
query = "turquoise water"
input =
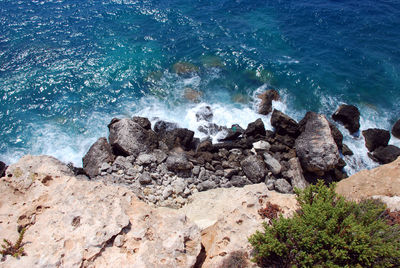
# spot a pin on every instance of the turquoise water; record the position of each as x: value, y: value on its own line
x: 68, y: 67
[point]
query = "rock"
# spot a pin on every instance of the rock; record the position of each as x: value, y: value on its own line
x: 121, y: 163
x: 204, y: 113
x: 209, y: 129
x: 262, y: 145
x: 283, y: 124
x: 167, y: 191
x: 77, y: 223
x: 255, y: 128
x: 3, y: 168
x: 283, y: 186
x: 254, y: 168
x: 385, y: 155
x: 349, y: 116
x: 272, y: 164
x: 229, y: 216
x: 270, y: 184
x: 192, y: 95
x: 337, y: 135
x: 179, y: 137
x: 375, y: 138
x: 396, y: 129
x: 142, y: 121
x: 178, y: 186
x: 206, y: 185
x: 232, y: 133
x: 145, y: 159
x: 178, y: 162
x: 266, y: 101
x: 315, y: 147
x: 295, y: 174
x: 145, y: 178
x: 129, y: 138
x: 346, y: 150
x: 162, y: 126
x: 239, y: 181
x: 383, y: 180
x: 205, y: 146
x: 184, y: 68
x: 100, y: 152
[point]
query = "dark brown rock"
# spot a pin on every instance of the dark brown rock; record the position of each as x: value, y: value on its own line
x: 396, y: 129
x: 179, y: 137
x: 346, y: 150
x: 266, y: 101
x: 100, y: 152
x: 255, y: 128
x: 385, y: 155
x: 349, y: 116
x: 375, y: 138
x: 337, y: 135
x: 162, y: 126
x: 142, y: 121
x: 3, y: 168
x: 233, y: 133
x: 283, y: 124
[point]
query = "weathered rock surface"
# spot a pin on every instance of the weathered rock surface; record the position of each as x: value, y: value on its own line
x: 283, y: 124
x: 3, y: 168
x: 315, y: 147
x: 272, y: 164
x: 295, y: 174
x: 383, y: 180
x: 100, y: 152
x: 229, y: 216
x: 396, y: 129
x: 77, y: 223
x: 254, y: 168
x: 129, y: 138
x: 266, y: 101
x: 375, y: 138
x: 385, y: 155
x: 255, y: 128
x: 142, y: 121
x: 349, y: 116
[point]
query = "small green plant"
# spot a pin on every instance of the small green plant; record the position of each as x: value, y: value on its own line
x: 328, y: 231
x: 16, y: 250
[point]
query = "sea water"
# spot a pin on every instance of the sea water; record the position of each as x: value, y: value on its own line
x: 67, y: 67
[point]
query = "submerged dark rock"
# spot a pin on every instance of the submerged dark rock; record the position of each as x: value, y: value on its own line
x: 349, y: 116
x: 266, y: 101
x: 375, y: 138
x: 100, y: 152
x: 385, y: 155
x: 284, y: 124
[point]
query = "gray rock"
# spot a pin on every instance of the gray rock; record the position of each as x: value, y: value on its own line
x: 239, y: 181
x: 145, y: 178
x: 100, y: 152
x: 270, y: 184
x: 262, y: 145
x: 129, y: 138
x: 167, y: 192
x: 121, y: 163
x: 178, y: 162
x: 254, y: 168
x: 295, y: 174
x: 178, y: 185
x: 105, y: 166
x: 281, y: 185
x: 160, y: 155
x: 315, y: 147
x: 196, y: 170
x: 145, y: 159
x: 272, y: 164
x: 142, y: 121
x: 206, y: 185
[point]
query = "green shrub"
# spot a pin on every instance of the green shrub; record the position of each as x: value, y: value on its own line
x: 328, y: 231
x: 16, y: 250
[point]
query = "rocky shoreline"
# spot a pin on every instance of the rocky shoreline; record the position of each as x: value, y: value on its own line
x: 165, y: 164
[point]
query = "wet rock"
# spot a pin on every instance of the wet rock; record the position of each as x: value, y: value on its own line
x: 204, y: 113
x: 346, y: 150
x: 337, y: 135
x: 232, y: 133
x: 145, y: 178
x: 272, y: 164
x: 254, y: 168
x: 282, y: 186
x: 295, y: 174
x: 315, y: 147
x: 283, y: 124
x: 129, y: 138
x: 349, y: 116
x: 179, y: 137
x: 142, y: 121
x: 375, y: 138
x: 162, y: 126
x: 266, y: 101
x: 184, y: 68
x: 255, y: 128
x: 178, y: 162
x: 3, y: 168
x: 100, y: 152
x: 209, y: 129
x: 396, y: 129
x: 385, y: 155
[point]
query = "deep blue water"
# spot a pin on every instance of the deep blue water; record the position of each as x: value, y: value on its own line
x: 67, y: 67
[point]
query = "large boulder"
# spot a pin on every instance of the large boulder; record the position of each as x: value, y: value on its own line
x: 255, y: 128
x: 129, y: 138
x: 295, y: 174
x: 178, y: 163
x: 100, y: 152
x: 142, y: 121
x: 162, y: 126
x: 179, y: 137
x: 266, y: 101
x: 315, y: 147
x: 349, y: 116
x: 375, y: 138
x: 396, y: 129
x: 254, y: 168
x: 385, y: 155
x: 337, y: 135
x: 77, y: 223
x: 283, y: 124
x: 3, y: 168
